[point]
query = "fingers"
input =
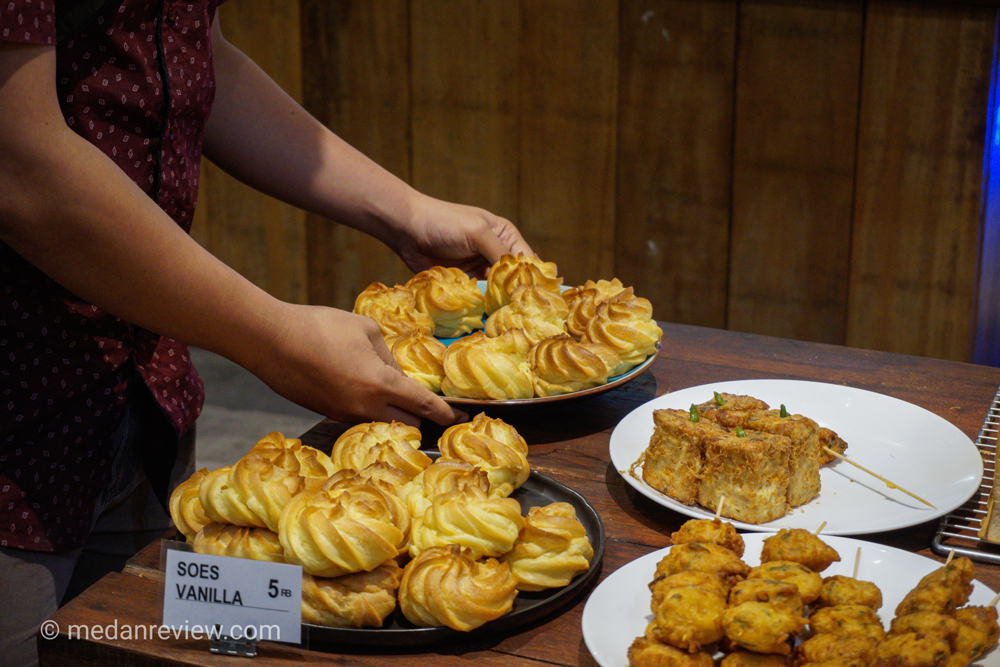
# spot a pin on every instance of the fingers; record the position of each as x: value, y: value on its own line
x: 510, y: 237
x: 416, y: 399
x: 490, y: 245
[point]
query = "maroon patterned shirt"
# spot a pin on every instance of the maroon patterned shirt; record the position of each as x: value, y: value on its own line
x: 137, y: 81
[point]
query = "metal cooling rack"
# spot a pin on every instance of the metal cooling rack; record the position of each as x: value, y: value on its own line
x: 959, y: 530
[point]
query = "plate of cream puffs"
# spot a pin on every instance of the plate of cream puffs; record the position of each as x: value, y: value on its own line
x: 402, y: 546
x: 519, y: 337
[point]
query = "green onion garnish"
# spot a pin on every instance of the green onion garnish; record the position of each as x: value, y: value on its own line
x: 740, y: 433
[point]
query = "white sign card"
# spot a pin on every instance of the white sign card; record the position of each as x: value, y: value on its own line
x: 240, y: 598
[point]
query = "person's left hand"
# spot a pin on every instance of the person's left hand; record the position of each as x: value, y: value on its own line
x: 441, y: 233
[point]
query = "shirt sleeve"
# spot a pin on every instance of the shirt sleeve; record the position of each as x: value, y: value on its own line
x: 28, y: 21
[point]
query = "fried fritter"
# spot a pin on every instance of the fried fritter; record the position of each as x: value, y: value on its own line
x: 646, y: 652
x: 761, y: 627
x: 942, y: 591
x: 847, y: 620
x: 927, y: 624
x: 752, y: 473
x: 751, y: 659
x: 837, y: 662
x: 705, y: 580
x: 909, y: 650
x: 839, y: 589
x: 800, y: 546
x: 688, y: 618
x: 826, y: 647
x: 673, y: 461
x: 703, y: 558
x: 808, y: 582
x: 782, y: 594
x: 982, y: 620
x: 711, y: 531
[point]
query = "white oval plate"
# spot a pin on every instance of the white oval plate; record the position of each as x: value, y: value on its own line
x: 904, y: 443
x: 618, y: 610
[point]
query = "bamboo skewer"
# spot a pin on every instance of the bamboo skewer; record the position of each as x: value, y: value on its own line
x: 718, y: 511
x: 995, y: 600
x: 891, y: 485
x: 951, y: 554
x: 857, y: 557
x: 821, y: 527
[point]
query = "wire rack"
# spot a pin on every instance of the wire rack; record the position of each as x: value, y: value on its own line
x: 959, y: 530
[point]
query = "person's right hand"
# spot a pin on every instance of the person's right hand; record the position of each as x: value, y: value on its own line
x: 337, y: 364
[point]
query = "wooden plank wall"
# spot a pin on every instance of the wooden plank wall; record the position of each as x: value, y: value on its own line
x: 810, y: 169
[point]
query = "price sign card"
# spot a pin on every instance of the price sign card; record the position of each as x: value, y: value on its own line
x: 235, y: 597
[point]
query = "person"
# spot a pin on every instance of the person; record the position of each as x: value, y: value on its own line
x: 105, y: 111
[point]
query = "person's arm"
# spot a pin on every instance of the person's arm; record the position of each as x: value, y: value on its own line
x: 264, y: 138
x: 69, y: 210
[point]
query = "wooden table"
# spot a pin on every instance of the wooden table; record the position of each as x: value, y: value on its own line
x: 569, y: 442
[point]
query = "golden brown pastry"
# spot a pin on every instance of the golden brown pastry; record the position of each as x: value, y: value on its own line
x: 222, y: 539
x: 511, y: 271
x: 185, y: 507
x: 344, y: 530
x: 394, y: 309
x: 485, y: 526
x: 551, y: 550
x: 273, y: 471
x: 625, y: 323
x: 488, y: 368
x: 583, y: 301
x: 223, y: 503
x: 560, y: 365
x: 420, y: 356
x: 388, y: 477
x: 394, y: 443
x: 440, y: 477
x: 447, y: 586
x: 451, y: 299
x: 491, y: 445
x: 359, y: 600
x: 533, y: 309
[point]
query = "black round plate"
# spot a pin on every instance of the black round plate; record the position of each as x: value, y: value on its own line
x: 538, y: 490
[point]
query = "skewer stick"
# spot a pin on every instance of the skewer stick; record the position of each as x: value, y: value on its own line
x: 995, y: 600
x: 821, y: 527
x: 951, y: 554
x: 718, y: 510
x: 857, y: 557
x: 887, y: 482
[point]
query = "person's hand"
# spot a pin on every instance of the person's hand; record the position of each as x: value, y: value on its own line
x: 441, y: 233
x: 337, y: 364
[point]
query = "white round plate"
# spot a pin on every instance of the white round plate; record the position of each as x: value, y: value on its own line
x: 618, y: 610
x: 914, y: 448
